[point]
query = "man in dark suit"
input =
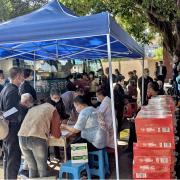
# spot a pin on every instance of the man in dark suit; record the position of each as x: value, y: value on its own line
x: 9, y: 98
x: 147, y: 80
x: 161, y: 72
x: 113, y: 75
x: 26, y: 87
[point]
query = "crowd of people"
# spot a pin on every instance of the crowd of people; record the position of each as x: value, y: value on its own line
x: 86, y: 104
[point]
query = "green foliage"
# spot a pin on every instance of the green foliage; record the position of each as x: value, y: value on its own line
x: 13, y: 8
x: 165, y: 9
x: 124, y: 11
x: 80, y: 7
x: 5, y: 10
x: 138, y: 16
x: 159, y: 53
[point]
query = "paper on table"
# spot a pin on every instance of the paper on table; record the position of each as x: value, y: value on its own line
x: 10, y: 112
x: 64, y: 132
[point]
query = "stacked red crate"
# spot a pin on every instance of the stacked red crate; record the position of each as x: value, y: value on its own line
x: 154, y: 152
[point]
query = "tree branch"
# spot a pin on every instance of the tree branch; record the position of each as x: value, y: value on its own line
x: 177, y: 28
x: 166, y: 29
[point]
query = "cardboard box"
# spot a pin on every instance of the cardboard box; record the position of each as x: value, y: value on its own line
x: 139, y: 151
x: 153, y: 168
x: 164, y: 160
x: 152, y: 175
x: 79, y: 153
x: 156, y: 141
x: 155, y: 124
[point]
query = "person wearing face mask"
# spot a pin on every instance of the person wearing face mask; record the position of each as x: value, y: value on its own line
x: 26, y: 87
x: 147, y: 80
x: 106, y: 111
x: 70, y: 83
x: 56, y: 100
x: 9, y: 98
x: 92, y: 127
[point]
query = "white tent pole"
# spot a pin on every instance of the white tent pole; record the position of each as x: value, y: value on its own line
x: 34, y: 70
x: 112, y: 105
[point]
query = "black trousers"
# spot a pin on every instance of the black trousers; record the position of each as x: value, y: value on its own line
x: 1, y: 144
x: 12, y: 153
x: 161, y: 78
x: 119, y: 116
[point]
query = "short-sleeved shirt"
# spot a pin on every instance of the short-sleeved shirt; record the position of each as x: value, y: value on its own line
x: 92, y: 127
x: 106, y: 111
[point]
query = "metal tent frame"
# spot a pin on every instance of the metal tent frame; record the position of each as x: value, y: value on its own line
x: 112, y: 45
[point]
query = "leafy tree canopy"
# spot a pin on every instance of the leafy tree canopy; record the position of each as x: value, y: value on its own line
x: 13, y: 8
x: 141, y: 18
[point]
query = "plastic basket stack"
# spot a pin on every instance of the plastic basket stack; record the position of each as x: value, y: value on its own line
x: 154, y: 155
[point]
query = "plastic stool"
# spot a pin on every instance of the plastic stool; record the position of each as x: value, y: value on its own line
x: 98, y: 163
x: 75, y: 169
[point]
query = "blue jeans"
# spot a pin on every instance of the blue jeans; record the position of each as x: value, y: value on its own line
x: 35, y: 152
x: 12, y: 152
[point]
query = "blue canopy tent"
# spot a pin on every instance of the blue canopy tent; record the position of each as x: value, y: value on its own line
x: 54, y: 32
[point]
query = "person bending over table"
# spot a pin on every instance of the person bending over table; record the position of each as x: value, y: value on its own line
x: 90, y: 124
x: 39, y: 123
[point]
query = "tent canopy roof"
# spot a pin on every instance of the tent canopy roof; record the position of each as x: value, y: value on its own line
x: 53, y: 32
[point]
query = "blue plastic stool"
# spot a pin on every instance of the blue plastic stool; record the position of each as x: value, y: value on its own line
x: 74, y: 169
x: 98, y: 163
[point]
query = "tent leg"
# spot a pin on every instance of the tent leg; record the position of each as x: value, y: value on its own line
x: 57, y: 51
x: 142, y: 97
x: 34, y: 71
x: 112, y: 105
